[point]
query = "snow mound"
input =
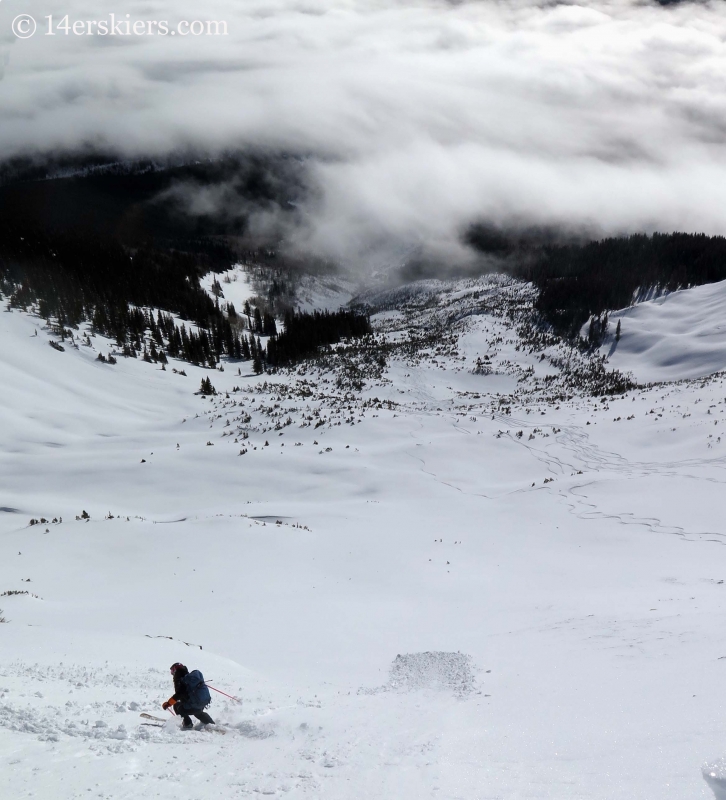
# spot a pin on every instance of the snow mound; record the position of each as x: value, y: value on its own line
x: 715, y: 776
x: 435, y: 670
x: 673, y: 337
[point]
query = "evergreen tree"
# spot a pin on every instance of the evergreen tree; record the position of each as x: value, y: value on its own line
x: 269, y: 328
x: 257, y: 362
x: 206, y: 387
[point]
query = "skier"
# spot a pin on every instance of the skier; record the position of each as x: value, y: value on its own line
x: 191, y: 696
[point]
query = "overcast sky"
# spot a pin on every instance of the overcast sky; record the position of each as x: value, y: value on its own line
x: 416, y: 118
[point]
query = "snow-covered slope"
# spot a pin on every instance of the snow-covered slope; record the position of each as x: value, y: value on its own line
x: 444, y: 585
x: 678, y: 335
x: 235, y: 284
x: 311, y: 292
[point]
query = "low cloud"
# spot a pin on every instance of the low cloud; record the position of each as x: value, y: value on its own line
x: 411, y: 120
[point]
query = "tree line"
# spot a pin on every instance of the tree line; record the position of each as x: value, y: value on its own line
x: 305, y: 332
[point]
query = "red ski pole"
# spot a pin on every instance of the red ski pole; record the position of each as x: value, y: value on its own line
x: 236, y: 699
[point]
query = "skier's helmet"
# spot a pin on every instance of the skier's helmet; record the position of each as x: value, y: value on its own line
x: 175, y: 667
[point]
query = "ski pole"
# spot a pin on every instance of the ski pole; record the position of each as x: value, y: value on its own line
x: 236, y: 699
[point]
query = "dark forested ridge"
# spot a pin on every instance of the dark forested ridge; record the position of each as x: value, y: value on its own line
x: 582, y: 280
x: 577, y: 282
x: 72, y: 273
x: 71, y: 278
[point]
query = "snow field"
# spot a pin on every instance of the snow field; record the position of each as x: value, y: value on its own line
x: 570, y: 582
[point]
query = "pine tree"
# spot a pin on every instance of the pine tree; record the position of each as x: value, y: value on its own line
x: 257, y: 359
x: 617, y: 332
x: 206, y: 387
x: 269, y: 328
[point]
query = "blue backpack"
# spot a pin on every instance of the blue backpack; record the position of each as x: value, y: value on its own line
x: 197, y: 692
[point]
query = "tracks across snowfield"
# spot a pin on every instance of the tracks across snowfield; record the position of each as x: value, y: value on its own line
x: 572, y: 453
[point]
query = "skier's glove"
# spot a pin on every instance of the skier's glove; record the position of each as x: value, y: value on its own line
x: 165, y: 705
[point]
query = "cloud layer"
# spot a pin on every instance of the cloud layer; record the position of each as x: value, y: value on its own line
x: 414, y: 118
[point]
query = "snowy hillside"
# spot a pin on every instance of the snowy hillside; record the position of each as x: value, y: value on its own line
x: 239, y: 284
x: 678, y: 335
x: 446, y: 571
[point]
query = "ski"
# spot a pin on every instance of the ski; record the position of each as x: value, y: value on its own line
x: 213, y: 728
x: 150, y: 716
